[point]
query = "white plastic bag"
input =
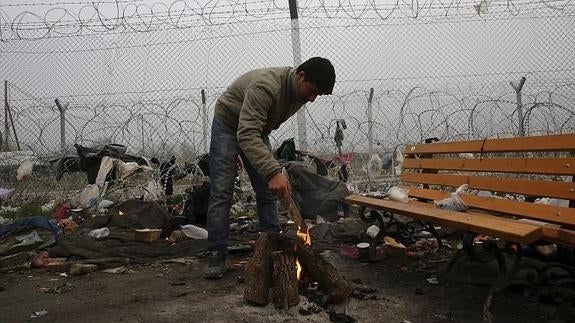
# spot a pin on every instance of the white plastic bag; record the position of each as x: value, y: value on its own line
x: 99, y: 233
x: 24, y: 170
x: 153, y: 191
x: 374, y: 166
x: 397, y: 194
x: 89, y: 193
x: 194, y: 232
x: 453, y: 202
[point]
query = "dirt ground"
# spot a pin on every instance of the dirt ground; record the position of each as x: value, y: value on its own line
x: 174, y: 291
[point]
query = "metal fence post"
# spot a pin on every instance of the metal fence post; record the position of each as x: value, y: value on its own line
x: 370, y: 121
x: 518, y: 89
x: 296, y: 50
x: 4, y: 144
x: 204, y: 123
x: 62, y: 109
x: 142, y: 134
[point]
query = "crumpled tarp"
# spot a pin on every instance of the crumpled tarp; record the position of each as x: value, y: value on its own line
x: 344, y: 231
x: 41, y: 231
x: 122, y: 221
x: 315, y: 194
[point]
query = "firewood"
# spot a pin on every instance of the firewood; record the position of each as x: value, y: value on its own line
x: 329, y: 280
x: 258, y: 271
x: 294, y: 213
x: 285, y: 292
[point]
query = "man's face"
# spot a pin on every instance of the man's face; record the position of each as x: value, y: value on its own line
x: 307, y: 90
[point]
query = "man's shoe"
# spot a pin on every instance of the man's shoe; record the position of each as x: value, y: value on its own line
x: 218, y: 264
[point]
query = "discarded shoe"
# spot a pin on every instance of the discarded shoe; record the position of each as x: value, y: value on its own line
x: 217, y: 266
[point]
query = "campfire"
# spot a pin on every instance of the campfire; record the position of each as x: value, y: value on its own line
x: 284, y: 265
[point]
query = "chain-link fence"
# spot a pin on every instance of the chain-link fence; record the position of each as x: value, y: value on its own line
x: 133, y: 72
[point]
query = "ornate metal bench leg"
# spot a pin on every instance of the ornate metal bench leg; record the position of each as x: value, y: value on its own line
x: 376, y: 216
x: 458, y: 255
x: 504, y: 276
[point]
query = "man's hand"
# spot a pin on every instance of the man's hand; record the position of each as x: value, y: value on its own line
x: 280, y: 186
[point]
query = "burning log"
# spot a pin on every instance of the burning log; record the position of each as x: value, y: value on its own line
x: 277, y: 263
x: 294, y: 213
x: 319, y: 270
x: 285, y: 292
x: 259, y: 271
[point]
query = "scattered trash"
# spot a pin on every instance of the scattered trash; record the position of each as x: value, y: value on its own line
x: 38, y: 314
x: 60, y: 289
x: 372, y: 231
x: 88, y: 196
x: 99, y: 233
x: 48, y: 206
x: 68, y: 225
x: 24, y: 170
x: 453, y: 202
x: 194, y: 232
x: 118, y: 270
x: 43, y: 260
x: 177, y: 236
x: 153, y: 191
x: 397, y: 194
x: 5, y: 193
x: 104, y: 204
x: 552, y: 201
x: 363, y: 251
x: 433, y: 280
x: 147, y: 235
x: 349, y: 251
x: 391, y: 242
x: 309, y: 308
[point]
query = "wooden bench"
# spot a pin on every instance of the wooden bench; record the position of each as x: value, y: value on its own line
x: 527, y: 167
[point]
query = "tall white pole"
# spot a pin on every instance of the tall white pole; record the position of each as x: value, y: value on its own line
x: 370, y: 121
x: 296, y: 49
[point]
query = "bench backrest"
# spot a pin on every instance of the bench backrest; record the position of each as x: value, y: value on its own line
x: 534, y: 167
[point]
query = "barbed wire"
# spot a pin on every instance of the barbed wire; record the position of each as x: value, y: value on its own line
x: 448, y: 116
x: 77, y: 18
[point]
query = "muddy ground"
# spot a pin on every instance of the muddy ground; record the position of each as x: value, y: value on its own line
x: 176, y: 292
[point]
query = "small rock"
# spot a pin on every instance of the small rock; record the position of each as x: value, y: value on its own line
x: 81, y: 269
x: 39, y: 313
x: 419, y: 291
x: 178, y: 283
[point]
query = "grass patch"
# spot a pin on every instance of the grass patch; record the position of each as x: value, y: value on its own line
x: 28, y: 210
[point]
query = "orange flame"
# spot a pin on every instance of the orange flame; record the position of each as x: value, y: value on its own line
x: 298, y: 269
x: 306, y: 238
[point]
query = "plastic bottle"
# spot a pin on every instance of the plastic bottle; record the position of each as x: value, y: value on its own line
x: 99, y: 233
x: 194, y: 232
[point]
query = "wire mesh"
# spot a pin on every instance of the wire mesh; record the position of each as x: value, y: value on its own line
x: 132, y: 72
